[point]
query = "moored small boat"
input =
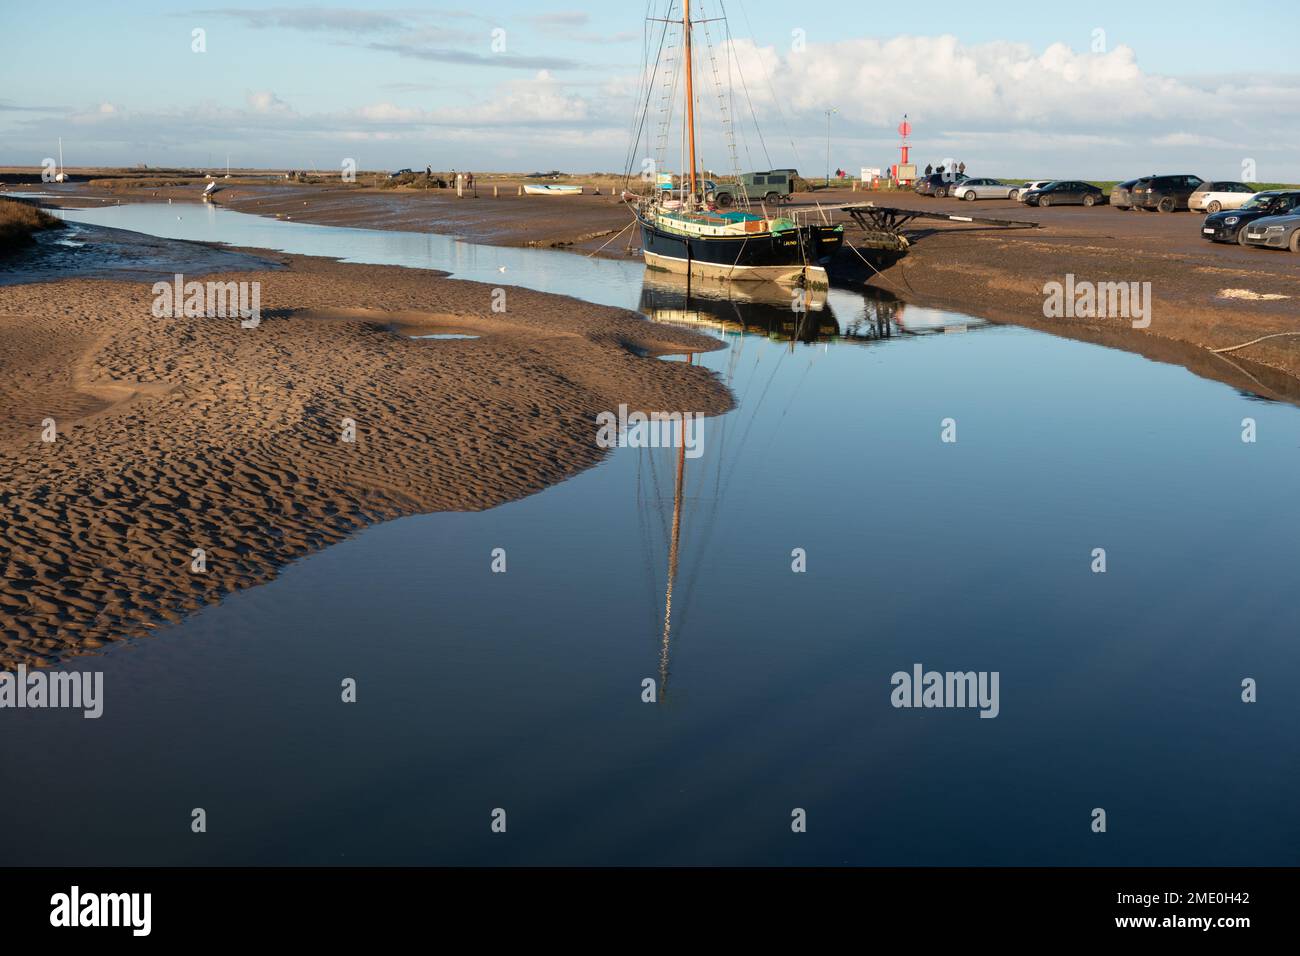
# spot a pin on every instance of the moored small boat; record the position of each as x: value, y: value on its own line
x: 553, y: 189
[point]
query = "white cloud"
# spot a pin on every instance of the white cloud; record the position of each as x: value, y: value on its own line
x: 1005, y: 108
x: 938, y: 79
x: 264, y: 101
x: 1194, y: 139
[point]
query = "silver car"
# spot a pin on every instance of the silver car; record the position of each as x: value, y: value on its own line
x: 984, y: 189
x: 1275, y: 232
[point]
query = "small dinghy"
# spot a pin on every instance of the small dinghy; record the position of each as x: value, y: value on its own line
x: 551, y: 189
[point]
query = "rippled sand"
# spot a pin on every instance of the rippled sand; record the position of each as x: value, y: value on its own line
x: 176, y: 434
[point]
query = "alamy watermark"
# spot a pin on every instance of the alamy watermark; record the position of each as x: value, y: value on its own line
x: 77, y: 690
x: 653, y: 430
x: 77, y: 909
x: 1081, y: 299
x: 922, y: 688
x: 195, y: 300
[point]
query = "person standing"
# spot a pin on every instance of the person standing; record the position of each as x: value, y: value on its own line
x: 929, y: 169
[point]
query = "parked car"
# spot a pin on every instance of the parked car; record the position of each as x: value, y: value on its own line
x: 939, y: 184
x: 722, y: 193
x: 399, y: 174
x: 1275, y: 232
x: 1065, y: 192
x: 1211, y: 197
x: 1121, y: 194
x: 770, y: 186
x: 972, y: 189
x: 1030, y: 186
x: 1230, y: 224
x: 1165, y: 193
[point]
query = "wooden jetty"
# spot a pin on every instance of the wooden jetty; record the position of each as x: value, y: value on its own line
x: 882, y: 226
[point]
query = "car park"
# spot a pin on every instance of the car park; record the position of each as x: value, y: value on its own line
x: 1212, y: 197
x: 1165, y: 193
x: 1065, y: 192
x: 1121, y: 196
x: 972, y: 189
x: 1229, y: 225
x: 1275, y: 232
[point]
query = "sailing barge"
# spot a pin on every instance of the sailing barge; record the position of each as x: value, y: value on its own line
x: 739, y: 246
x: 683, y: 235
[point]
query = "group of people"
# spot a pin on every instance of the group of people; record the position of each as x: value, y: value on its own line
x: 930, y: 170
x: 449, y: 180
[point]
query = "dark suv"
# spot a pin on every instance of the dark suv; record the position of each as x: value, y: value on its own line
x: 1121, y: 194
x: 939, y: 184
x: 1165, y: 193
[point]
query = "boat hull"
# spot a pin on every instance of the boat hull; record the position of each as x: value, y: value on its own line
x: 790, y: 257
x: 553, y: 190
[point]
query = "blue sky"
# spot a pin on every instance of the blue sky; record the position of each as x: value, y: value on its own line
x: 1102, y: 89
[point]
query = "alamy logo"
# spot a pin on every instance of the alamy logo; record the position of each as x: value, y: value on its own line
x: 1098, y: 300
x: 655, y: 430
x: 922, y: 688
x: 37, y: 690
x: 74, y: 909
x: 221, y: 300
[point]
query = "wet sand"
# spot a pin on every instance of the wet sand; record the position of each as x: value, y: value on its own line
x: 177, y: 434
x: 1204, y: 295
x: 582, y: 223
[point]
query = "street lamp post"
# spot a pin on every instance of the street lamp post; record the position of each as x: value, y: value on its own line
x: 829, y: 112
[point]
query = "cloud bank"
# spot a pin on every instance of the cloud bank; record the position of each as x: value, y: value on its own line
x: 1004, y: 108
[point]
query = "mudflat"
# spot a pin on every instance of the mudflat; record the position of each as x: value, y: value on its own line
x: 173, y: 435
x: 1203, y: 295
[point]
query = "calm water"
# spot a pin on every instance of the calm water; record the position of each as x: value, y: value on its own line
x: 523, y: 690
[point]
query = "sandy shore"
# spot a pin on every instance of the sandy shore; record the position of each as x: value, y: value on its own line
x: 176, y: 434
x: 581, y: 222
x: 1204, y: 295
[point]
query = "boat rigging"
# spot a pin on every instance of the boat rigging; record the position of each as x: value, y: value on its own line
x: 683, y: 233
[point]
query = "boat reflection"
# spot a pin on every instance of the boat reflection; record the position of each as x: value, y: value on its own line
x: 663, y: 533
x: 789, y: 315
x: 750, y: 308
x: 674, y: 541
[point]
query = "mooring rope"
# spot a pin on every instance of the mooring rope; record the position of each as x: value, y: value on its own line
x: 613, y: 237
x: 1233, y: 348
x: 873, y: 268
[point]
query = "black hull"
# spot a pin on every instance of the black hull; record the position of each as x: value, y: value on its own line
x: 793, y: 256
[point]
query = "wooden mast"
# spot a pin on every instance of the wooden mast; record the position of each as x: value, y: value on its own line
x: 674, y: 543
x: 690, y: 92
